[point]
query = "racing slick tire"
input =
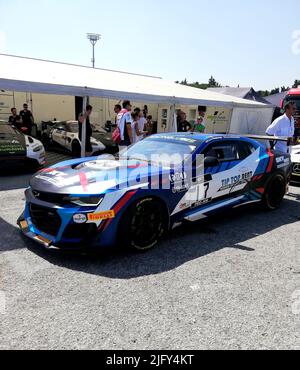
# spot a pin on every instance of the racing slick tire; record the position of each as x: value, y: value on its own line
x: 143, y: 225
x: 76, y: 149
x: 275, y: 192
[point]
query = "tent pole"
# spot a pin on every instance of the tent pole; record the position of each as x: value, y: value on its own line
x: 172, y: 124
x: 229, y: 122
x: 83, y: 132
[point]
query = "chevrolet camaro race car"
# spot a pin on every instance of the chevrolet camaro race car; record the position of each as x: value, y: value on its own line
x: 17, y: 149
x: 135, y: 200
x: 65, y: 135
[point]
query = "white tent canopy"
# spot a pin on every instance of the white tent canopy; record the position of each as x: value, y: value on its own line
x: 39, y: 76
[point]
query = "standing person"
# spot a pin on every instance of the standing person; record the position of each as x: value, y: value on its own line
x: 141, y: 124
x: 135, y: 127
x: 182, y: 124
x: 200, y: 123
x: 14, y: 119
x: 284, y: 126
x: 199, y: 126
x: 27, y: 118
x: 86, y: 116
x: 117, y: 110
x: 149, y: 126
x: 124, y: 122
x: 145, y: 111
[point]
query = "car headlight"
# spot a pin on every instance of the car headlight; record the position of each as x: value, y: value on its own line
x: 84, y: 201
x: 38, y: 149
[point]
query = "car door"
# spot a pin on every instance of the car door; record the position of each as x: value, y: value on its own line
x: 238, y: 161
x: 227, y: 172
x: 71, y: 133
x: 208, y: 185
x: 59, y: 135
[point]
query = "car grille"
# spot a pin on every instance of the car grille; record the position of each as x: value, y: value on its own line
x: 45, y: 219
x: 58, y: 199
x: 296, y: 168
x: 82, y: 232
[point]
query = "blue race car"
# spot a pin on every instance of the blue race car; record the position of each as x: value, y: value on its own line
x: 135, y: 200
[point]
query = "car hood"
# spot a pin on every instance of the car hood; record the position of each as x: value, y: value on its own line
x: 93, y: 176
x: 11, y: 143
x: 103, y: 135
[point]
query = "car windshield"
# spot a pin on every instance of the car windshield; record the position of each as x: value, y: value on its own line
x: 159, y: 151
x: 73, y: 127
x: 8, y: 131
x: 296, y: 99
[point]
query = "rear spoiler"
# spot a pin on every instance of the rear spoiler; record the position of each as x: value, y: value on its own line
x: 272, y: 139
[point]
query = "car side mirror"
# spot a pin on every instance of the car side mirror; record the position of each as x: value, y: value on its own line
x: 211, y: 162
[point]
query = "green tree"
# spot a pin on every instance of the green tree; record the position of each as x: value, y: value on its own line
x: 296, y: 84
x: 283, y: 89
x: 213, y: 83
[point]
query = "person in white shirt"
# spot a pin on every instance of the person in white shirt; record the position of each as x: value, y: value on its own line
x: 284, y: 126
x: 141, y: 133
x: 124, y: 122
x: 142, y: 123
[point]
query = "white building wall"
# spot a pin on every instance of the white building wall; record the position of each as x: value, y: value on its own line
x: 47, y: 107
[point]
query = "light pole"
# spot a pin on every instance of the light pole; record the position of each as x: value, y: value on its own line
x: 93, y: 37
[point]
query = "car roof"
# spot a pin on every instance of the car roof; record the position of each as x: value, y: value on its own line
x: 64, y: 122
x: 201, y: 137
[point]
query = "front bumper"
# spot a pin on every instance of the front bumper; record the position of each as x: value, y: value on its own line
x: 53, y: 226
x: 20, y: 161
x: 295, y: 172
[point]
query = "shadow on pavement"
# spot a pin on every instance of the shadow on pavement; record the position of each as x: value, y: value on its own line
x: 15, y: 180
x: 11, y: 238
x: 18, y: 177
x: 185, y: 244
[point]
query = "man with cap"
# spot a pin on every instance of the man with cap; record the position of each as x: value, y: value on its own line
x: 284, y: 126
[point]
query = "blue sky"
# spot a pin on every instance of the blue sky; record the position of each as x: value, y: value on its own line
x: 238, y: 42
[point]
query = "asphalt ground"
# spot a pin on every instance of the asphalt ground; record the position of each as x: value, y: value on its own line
x: 228, y: 283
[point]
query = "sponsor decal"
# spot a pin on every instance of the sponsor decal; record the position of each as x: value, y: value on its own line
x: 233, y: 181
x: 183, y: 206
x: 201, y: 202
x: 10, y: 148
x: 80, y: 219
x: 279, y: 160
x: 176, y: 138
x: 56, y: 178
x: 244, y: 170
x: 180, y: 188
x: 180, y: 176
x: 106, y: 215
x: 100, y: 165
